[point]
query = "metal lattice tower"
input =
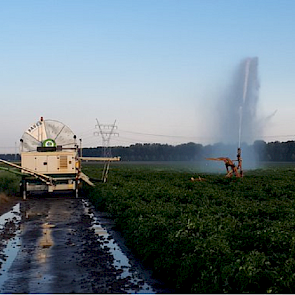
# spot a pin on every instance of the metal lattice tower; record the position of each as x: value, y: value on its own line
x: 106, y: 131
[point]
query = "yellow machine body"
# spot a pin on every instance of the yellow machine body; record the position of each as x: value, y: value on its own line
x: 62, y: 162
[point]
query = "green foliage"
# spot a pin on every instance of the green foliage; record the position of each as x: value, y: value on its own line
x: 215, y: 236
x: 9, y: 183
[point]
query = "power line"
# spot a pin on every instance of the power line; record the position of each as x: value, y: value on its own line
x: 152, y: 134
x: 291, y: 135
x: 195, y: 138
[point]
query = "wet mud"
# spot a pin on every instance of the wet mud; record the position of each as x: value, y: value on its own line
x: 62, y: 245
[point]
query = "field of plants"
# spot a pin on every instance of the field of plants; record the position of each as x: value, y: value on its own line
x: 214, y: 236
x: 9, y: 183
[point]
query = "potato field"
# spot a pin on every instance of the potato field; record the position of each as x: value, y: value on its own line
x: 218, y: 235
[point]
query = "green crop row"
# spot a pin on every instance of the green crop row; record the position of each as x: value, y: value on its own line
x: 9, y: 183
x: 213, y: 236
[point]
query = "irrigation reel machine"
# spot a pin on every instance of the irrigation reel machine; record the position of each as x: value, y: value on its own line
x: 51, y: 159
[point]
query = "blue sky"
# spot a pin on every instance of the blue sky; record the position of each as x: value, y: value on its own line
x: 156, y: 67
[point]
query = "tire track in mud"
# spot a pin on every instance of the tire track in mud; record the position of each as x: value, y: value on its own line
x: 59, y: 252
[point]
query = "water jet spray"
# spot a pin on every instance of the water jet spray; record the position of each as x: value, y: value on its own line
x: 242, y: 110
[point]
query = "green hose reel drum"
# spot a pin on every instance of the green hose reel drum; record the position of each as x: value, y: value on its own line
x: 49, y: 143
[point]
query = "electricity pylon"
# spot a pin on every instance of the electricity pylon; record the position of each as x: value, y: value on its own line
x: 106, y: 131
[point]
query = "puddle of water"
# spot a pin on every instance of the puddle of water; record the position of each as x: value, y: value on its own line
x: 12, y: 246
x: 121, y: 261
x: 45, y: 242
x: 14, y: 213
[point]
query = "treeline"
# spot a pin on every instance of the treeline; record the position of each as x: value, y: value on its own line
x: 151, y: 152
x: 259, y: 151
x: 10, y: 157
x: 275, y: 151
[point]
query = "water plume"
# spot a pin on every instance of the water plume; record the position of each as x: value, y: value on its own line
x: 237, y: 121
x: 238, y: 118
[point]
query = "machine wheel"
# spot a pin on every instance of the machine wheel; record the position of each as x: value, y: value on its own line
x: 23, y: 189
x: 76, y: 189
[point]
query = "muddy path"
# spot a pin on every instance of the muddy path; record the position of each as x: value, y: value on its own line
x: 62, y: 245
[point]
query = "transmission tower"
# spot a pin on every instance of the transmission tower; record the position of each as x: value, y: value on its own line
x: 106, y: 131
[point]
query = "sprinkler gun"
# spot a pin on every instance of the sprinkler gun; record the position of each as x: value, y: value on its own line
x: 230, y: 166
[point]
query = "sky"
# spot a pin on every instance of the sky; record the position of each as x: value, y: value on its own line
x: 157, y: 69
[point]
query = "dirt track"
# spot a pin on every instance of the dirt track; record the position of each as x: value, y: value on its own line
x: 58, y: 251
